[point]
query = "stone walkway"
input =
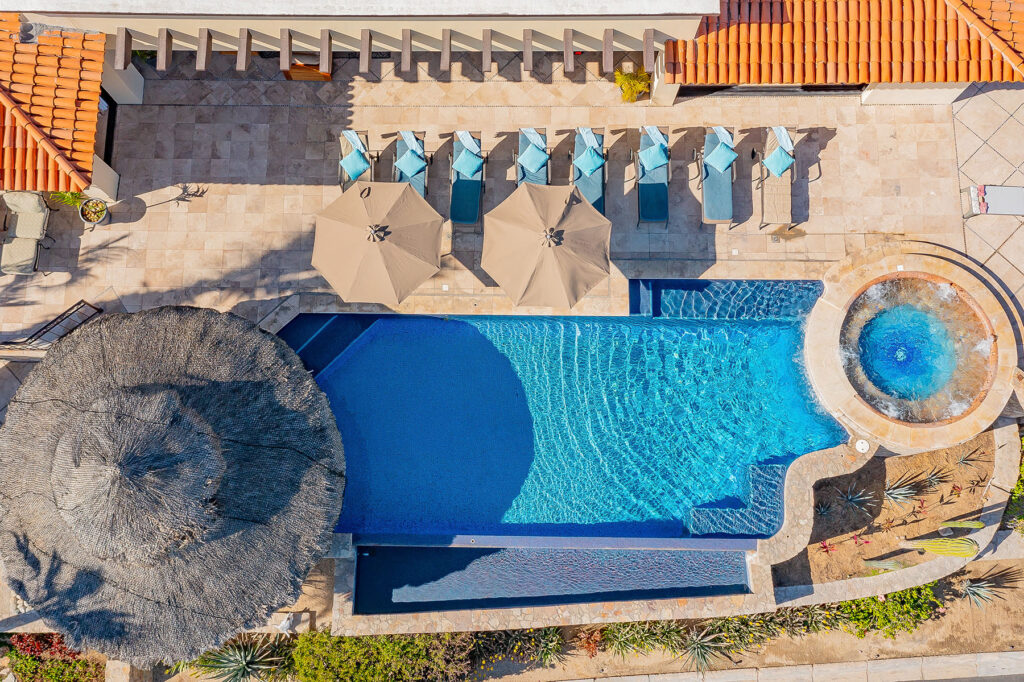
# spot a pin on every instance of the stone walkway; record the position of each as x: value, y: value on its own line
x: 1004, y: 665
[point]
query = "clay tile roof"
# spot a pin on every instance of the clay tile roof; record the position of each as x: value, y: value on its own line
x: 49, y: 104
x: 846, y: 42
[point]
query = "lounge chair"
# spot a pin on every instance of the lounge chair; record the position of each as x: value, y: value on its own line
x: 716, y: 163
x: 653, y: 164
x: 25, y: 215
x: 467, y: 187
x: 775, y: 180
x: 357, y: 161
x: 994, y: 200
x: 19, y: 255
x: 533, y: 158
x: 584, y: 161
x: 411, y: 161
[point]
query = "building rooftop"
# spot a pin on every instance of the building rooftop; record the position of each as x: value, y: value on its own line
x: 49, y: 104
x: 843, y: 42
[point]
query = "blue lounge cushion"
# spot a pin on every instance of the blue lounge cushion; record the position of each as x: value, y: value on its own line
x: 355, y: 164
x: 721, y: 158
x: 468, y: 163
x: 533, y: 159
x: 410, y: 164
x: 778, y: 162
x: 589, y: 162
x: 654, y: 157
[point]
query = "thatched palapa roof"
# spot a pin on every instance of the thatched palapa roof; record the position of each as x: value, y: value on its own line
x: 169, y: 479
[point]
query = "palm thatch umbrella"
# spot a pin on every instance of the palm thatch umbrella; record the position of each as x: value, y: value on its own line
x: 546, y: 245
x: 170, y: 477
x: 377, y: 242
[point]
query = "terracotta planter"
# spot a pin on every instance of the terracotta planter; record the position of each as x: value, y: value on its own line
x: 93, y: 211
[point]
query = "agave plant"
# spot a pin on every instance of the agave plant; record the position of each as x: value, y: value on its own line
x: 900, y: 492
x: 861, y: 500
x: 980, y: 592
x: 641, y: 637
x: 245, y: 659
x: 884, y: 565
x: 823, y: 508
x: 934, y: 478
x: 701, y: 646
x: 969, y: 459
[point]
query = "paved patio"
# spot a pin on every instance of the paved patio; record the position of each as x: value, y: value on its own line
x: 259, y: 157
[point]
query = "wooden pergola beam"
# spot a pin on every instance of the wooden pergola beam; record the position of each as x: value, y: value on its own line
x: 365, y: 49
x: 649, y: 50
x: 122, y: 49
x: 205, y: 50
x: 286, y: 50
x: 568, y: 58
x: 406, y: 50
x: 608, y: 51
x: 244, y: 59
x: 164, y: 48
x: 446, y: 49
x: 527, y: 50
x: 486, y: 51
x: 326, y: 51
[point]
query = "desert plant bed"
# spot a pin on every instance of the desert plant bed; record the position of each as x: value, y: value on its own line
x: 863, y: 520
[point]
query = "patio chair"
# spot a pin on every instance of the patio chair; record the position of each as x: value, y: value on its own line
x: 468, y: 164
x: 775, y: 176
x: 589, y: 163
x: 25, y: 215
x: 357, y: 161
x: 717, y: 167
x: 19, y: 255
x: 994, y: 200
x: 533, y: 158
x: 653, y: 164
x: 411, y: 161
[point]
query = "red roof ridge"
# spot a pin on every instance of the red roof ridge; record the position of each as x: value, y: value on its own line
x: 42, y: 139
x: 989, y: 32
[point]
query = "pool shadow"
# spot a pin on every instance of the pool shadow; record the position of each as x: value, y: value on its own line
x: 458, y: 437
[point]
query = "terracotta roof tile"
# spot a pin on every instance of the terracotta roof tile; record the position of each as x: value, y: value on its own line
x: 49, y: 106
x: 776, y: 42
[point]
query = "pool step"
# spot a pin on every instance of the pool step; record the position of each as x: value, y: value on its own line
x: 762, y: 515
x: 319, y: 338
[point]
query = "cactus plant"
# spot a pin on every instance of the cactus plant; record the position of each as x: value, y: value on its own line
x: 958, y: 547
x: 883, y: 565
x: 962, y: 524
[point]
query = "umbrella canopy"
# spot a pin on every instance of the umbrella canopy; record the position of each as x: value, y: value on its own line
x: 377, y: 242
x: 170, y: 477
x: 546, y: 246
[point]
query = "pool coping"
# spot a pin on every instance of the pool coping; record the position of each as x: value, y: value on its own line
x: 828, y: 376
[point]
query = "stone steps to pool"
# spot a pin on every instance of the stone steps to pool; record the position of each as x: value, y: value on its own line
x: 761, y: 516
x: 318, y: 339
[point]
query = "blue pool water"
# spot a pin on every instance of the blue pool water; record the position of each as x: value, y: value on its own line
x: 647, y: 426
x: 907, y: 352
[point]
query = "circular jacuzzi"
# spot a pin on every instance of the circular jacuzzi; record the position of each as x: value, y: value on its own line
x: 910, y: 347
x: 917, y: 348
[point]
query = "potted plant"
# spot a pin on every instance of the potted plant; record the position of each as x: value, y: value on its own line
x: 632, y: 83
x: 92, y: 211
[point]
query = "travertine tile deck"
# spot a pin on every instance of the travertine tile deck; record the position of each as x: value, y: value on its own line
x: 264, y: 151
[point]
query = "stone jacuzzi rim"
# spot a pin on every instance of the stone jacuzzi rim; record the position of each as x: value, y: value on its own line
x: 844, y: 283
x: 965, y: 296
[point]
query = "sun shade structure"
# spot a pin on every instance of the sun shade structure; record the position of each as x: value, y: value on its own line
x: 171, y: 476
x: 546, y: 245
x: 377, y: 242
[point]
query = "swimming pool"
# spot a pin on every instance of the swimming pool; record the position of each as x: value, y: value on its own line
x: 679, y: 421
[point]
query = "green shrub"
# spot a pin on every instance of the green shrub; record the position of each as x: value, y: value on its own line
x: 529, y: 646
x: 632, y: 83
x: 1013, y: 517
x: 32, y: 669
x: 320, y: 657
x: 898, y: 612
x: 642, y: 637
x: 246, y: 657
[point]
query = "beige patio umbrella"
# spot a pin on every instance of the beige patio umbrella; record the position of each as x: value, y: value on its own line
x: 377, y: 242
x: 546, y: 246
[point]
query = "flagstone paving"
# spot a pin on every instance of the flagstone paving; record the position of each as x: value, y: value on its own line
x: 258, y: 158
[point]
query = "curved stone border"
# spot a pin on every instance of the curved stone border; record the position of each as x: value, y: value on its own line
x: 823, y: 357
x: 1006, y: 467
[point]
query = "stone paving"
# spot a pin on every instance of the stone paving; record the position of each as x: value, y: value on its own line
x: 263, y: 154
